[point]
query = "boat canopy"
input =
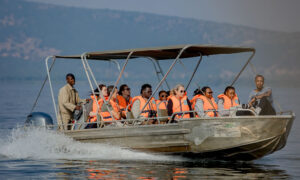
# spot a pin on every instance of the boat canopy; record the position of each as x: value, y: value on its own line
x: 163, y: 53
x: 155, y: 55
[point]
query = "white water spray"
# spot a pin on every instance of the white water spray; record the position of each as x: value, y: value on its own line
x: 47, y: 144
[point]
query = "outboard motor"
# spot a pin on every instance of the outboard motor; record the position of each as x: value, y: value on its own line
x: 39, y: 119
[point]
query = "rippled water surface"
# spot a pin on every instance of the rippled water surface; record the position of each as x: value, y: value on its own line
x: 36, y: 154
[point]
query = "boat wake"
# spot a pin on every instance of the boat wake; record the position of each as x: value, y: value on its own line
x: 36, y: 143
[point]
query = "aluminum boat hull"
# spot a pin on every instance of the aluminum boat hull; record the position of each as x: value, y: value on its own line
x: 233, y: 138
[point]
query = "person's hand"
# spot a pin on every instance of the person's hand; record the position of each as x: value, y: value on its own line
x: 87, y: 100
x: 257, y: 97
x: 78, y: 107
x: 252, y: 101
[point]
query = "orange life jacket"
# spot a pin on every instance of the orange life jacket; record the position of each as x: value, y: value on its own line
x: 150, y: 109
x: 94, y: 109
x: 106, y: 115
x: 169, y: 97
x: 161, y: 105
x: 180, y: 106
x: 228, y: 103
x: 208, y: 106
x: 123, y: 103
x: 193, y: 101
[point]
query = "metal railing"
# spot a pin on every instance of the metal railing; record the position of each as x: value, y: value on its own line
x: 163, y: 120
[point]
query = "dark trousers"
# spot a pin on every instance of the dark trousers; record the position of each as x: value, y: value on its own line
x: 266, y: 107
x: 92, y: 125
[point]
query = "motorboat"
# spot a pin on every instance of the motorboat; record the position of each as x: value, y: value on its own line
x: 243, y: 135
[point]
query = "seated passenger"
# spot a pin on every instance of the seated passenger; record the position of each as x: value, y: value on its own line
x: 197, y: 92
x: 124, y: 98
x: 138, y: 102
x: 179, y: 103
x: 171, y: 93
x: 227, y: 100
x: 162, y: 102
x: 104, y: 91
x: 93, y: 113
x: 114, y: 107
x: 205, y: 105
x: 261, y: 98
x: 168, y: 93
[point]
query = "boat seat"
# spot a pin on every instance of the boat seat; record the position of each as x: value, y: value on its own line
x: 129, y: 115
x: 86, y: 109
x: 88, y: 106
x: 162, y: 113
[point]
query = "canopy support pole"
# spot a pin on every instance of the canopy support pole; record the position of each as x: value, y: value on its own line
x: 50, y: 83
x: 158, y: 70
x: 121, y: 73
x: 194, y: 72
x: 185, y: 69
x: 116, y: 62
x: 165, y: 76
x: 238, y: 75
x: 43, y: 85
x: 162, y: 73
x: 87, y: 67
x: 253, y: 68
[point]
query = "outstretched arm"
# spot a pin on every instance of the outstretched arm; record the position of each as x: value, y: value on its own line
x: 266, y: 94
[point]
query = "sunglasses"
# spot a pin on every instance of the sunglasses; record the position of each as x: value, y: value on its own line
x: 163, y: 96
x: 181, y: 91
x: 210, y: 92
x: 127, y: 89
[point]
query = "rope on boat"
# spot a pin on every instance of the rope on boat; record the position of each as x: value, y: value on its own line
x: 43, y: 85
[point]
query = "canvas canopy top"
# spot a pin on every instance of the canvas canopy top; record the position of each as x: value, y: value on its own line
x: 163, y: 53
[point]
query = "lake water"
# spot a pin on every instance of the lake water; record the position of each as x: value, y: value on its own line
x: 41, y: 154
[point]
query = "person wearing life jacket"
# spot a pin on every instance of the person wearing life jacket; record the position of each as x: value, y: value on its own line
x: 138, y: 102
x: 171, y: 93
x: 93, y: 113
x: 103, y: 89
x: 205, y: 105
x: 197, y: 91
x: 105, y: 92
x: 162, y: 101
x: 124, y: 99
x: 227, y: 100
x: 114, y: 107
x: 179, y: 103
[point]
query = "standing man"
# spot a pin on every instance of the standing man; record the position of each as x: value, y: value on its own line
x: 68, y: 102
x: 261, y: 98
